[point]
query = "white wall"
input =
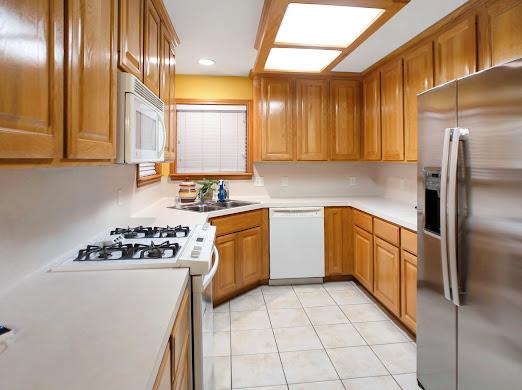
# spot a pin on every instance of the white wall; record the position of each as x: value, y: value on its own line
x: 45, y: 213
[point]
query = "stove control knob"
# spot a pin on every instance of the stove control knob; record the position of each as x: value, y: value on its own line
x: 206, y: 225
x: 195, y: 253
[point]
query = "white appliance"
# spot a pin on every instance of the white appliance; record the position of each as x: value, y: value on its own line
x: 141, y: 125
x: 296, y: 243
x: 164, y: 247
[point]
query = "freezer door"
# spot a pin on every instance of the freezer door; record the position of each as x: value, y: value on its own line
x: 490, y: 259
x: 436, y: 315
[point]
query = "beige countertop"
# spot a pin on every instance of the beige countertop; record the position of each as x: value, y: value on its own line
x: 89, y: 330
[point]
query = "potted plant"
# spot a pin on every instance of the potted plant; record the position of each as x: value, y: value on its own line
x: 206, y: 191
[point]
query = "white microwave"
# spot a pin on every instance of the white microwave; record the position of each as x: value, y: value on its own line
x: 141, y: 123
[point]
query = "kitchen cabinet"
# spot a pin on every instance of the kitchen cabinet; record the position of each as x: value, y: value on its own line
x: 502, y: 32
x: 166, y: 94
x: 311, y: 119
x: 392, y: 113
x: 131, y: 37
x: 386, y: 274
x: 372, y: 116
x: 164, y: 378
x: 418, y: 77
x: 91, y: 79
x: 276, y: 119
x: 31, y: 91
x: 456, y: 50
x: 338, y: 238
x: 345, y: 120
x: 363, y: 257
x: 242, y: 242
x: 152, y: 45
x: 408, y: 289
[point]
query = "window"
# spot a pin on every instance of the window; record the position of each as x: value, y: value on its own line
x: 148, y: 173
x: 212, y: 139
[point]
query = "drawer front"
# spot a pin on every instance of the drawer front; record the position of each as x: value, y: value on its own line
x: 409, y: 241
x: 237, y: 222
x: 387, y: 231
x: 180, y: 332
x: 363, y: 220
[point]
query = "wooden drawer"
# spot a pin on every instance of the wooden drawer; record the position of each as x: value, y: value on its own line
x: 409, y: 241
x: 387, y: 231
x: 180, y: 331
x: 237, y: 222
x: 363, y: 220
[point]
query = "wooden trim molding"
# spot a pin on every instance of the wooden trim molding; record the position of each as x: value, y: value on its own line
x: 250, y: 143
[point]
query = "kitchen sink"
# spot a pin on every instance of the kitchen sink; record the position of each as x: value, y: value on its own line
x: 213, y: 206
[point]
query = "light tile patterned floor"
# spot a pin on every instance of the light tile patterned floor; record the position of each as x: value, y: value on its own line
x: 310, y: 337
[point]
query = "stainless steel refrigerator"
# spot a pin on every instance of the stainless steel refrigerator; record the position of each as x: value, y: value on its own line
x: 469, y: 299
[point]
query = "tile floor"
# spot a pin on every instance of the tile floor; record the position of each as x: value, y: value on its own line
x: 325, y: 336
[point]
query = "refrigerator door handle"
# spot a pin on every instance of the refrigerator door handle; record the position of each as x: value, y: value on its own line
x: 458, y: 135
x: 443, y: 214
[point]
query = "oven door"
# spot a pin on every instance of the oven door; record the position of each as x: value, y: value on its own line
x: 145, y: 132
x: 203, y: 328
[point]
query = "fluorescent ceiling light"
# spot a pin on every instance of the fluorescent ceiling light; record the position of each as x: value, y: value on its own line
x: 300, y: 60
x: 206, y: 62
x: 324, y: 25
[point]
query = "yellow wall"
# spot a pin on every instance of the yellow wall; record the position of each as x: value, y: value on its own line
x: 213, y: 87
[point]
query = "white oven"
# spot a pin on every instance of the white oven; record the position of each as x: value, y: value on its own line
x: 141, y: 125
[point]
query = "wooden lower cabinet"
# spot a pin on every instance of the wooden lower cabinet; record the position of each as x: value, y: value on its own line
x: 338, y: 238
x: 363, y: 257
x: 243, y: 253
x: 386, y: 275
x: 164, y: 378
x: 409, y: 290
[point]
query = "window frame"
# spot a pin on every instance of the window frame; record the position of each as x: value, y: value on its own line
x: 146, y: 180
x: 249, y: 143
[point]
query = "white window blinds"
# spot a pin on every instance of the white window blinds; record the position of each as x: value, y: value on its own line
x: 146, y: 169
x: 211, y: 138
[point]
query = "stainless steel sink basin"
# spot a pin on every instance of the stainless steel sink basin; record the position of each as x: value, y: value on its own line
x: 213, y: 206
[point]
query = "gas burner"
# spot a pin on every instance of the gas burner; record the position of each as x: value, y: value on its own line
x: 165, y: 250
x: 173, y: 232
x: 135, y: 232
x: 117, y: 251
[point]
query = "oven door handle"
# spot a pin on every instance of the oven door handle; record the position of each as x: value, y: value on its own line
x: 208, y: 278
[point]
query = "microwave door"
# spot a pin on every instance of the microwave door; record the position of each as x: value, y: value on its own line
x: 162, y: 137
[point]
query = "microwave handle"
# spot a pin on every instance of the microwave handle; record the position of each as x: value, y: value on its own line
x: 163, y: 132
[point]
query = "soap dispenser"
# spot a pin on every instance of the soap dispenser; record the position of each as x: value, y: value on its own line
x: 222, y: 191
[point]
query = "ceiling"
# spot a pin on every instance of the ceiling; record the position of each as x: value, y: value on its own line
x: 225, y: 31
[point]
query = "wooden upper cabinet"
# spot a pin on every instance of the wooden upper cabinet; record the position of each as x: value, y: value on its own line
x: 91, y: 75
x: 345, y: 120
x: 392, y: 114
x: 131, y: 37
x: 503, y: 31
x: 152, y: 48
x: 31, y: 90
x: 418, y: 77
x: 312, y: 119
x: 170, y: 147
x: 167, y: 72
x: 338, y: 237
x: 456, y: 51
x: 372, y: 117
x: 277, y: 125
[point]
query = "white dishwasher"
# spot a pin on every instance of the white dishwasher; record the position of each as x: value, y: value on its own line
x: 296, y: 243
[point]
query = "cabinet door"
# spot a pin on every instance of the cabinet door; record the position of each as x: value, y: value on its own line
x: 170, y: 148
x: 338, y: 241
x: 312, y: 119
x: 166, y: 84
x: 131, y: 37
x: 152, y: 48
x: 372, y: 117
x: 455, y: 51
x: 409, y: 289
x: 31, y: 90
x: 91, y: 88
x: 277, y: 125
x: 164, y: 377
x: 418, y: 77
x: 392, y: 114
x: 345, y: 120
x: 226, y: 281
x: 250, y: 255
x: 386, y: 270
x: 503, y: 31
x: 363, y: 257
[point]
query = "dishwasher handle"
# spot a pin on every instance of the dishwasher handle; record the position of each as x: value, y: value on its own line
x: 292, y: 212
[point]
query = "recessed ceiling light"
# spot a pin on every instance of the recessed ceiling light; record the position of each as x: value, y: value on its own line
x: 206, y: 62
x: 300, y: 60
x: 324, y: 25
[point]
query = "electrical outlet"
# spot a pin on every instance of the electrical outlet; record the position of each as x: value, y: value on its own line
x: 284, y: 181
x: 119, y: 200
x: 352, y: 181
